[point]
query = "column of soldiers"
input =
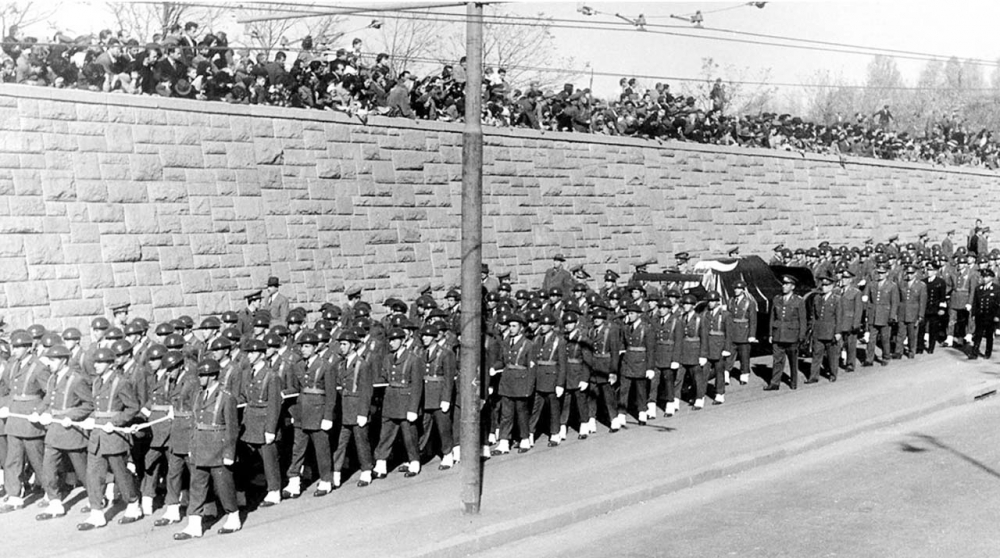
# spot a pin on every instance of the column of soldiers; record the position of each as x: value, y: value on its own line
x: 189, y: 409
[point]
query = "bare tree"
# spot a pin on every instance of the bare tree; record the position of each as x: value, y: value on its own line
x: 746, y: 91
x: 25, y: 13
x: 142, y: 21
x: 413, y: 43
x: 828, y: 98
x: 272, y: 34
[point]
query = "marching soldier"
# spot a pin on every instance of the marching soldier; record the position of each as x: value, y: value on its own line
x: 517, y: 385
x: 851, y: 312
x: 663, y: 355
x: 26, y: 380
x: 605, y: 338
x: 690, y: 352
x: 261, y: 393
x: 637, y: 367
x: 213, y: 452
x: 579, y: 357
x: 183, y: 385
x: 984, y: 316
x: 825, y: 317
x: 743, y: 309
x: 439, y: 384
x: 937, y: 307
x: 312, y: 418
x: 401, y: 369
x: 964, y: 281
x: 355, y: 374
x: 788, y: 328
x: 156, y: 408
x: 550, y: 378
x: 882, y: 298
x: 720, y: 346
x: 912, y: 308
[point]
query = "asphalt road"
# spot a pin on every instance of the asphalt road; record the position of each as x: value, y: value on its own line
x: 929, y: 487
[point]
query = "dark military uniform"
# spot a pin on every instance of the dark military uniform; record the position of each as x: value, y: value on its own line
x: 115, y: 402
x: 983, y: 320
x: 882, y: 311
x: 720, y: 340
x: 663, y: 356
x: 937, y: 306
x: 788, y: 328
x: 579, y: 358
x: 825, y: 317
x: 517, y: 385
x: 550, y: 373
x: 851, y: 312
x: 68, y: 395
x: 439, y: 386
x: 690, y: 346
x: 316, y: 384
x: 403, y: 371
x: 355, y: 375
x: 606, y: 341
x: 744, y: 313
x: 158, y: 405
x: 213, y: 441
x: 912, y: 308
x: 26, y: 382
x: 182, y: 392
x: 261, y: 393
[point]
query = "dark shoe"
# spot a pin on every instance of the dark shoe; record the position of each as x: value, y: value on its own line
x: 182, y: 536
x: 6, y: 508
x: 613, y: 430
x: 716, y: 402
x: 849, y: 369
x: 444, y: 467
x: 553, y: 443
x: 127, y: 520
x: 88, y: 526
x: 362, y: 484
x: 286, y: 495
x: 523, y: 450
x: 771, y: 388
x: 46, y: 516
x: 263, y: 504
x: 164, y: 522
x: 379, y: 475
x: 410, y: 474
x: 642, y: 423
x: 402, y: 468
x: 224, y: 531
x: 897, y: 356
x: 909, y: 356
x: 884, y: 362
x: 812, y: 380
x: 320, y: 493
x: 794, y: 386
x: 582, y: 437
x: 833, y: 379
x: 866, y: 364
x: 496, y: 452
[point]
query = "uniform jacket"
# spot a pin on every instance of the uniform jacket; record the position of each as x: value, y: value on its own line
x: 67, y: 395
x: 985, y: 305
x: 690, y: 339
x: 663, y: 353
x: 518, y: 377
x: 182, y: 391
x: 26, y: 382
x: 606, y: 341
x: 744, y: 312
x: 261, y: 392
x: 550, y: 362
x: 720, y: 337
x: 216, y: 427
x: 639, y: 347
x: 439, y: 375
x: 825, y: 316
x: 883, y: 302
x: 788, y: 319
x: 936, y: 296
x: 403, y: 371
x: 912, y: 301
x: 355, y: 376
x: 158, y: 404
x: 579, y: 358
x: 851, y: 309
x: 316, y: 384
x: 964, y: 281
x: 115, y: 402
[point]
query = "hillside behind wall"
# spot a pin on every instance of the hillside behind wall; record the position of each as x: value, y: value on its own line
x: 183, y: 206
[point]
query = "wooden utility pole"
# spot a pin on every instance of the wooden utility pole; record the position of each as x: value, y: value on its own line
x: 472, y: 260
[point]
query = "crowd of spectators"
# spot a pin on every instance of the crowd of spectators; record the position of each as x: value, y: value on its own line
x: 186, y: 63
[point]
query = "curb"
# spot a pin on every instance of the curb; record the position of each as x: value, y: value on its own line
x: 558, y: 517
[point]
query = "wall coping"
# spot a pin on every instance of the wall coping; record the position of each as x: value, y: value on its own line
x: 22, y: 91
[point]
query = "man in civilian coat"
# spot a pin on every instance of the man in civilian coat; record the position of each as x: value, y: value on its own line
x: 277, y: 303
x: 788, y: 329
x: 824, y: 315
x: 912, y: 309
x: 882, y: 307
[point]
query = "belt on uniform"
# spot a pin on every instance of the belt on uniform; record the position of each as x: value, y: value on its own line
x: 664, y: 343
x: 574, y: 361
x: 741, y: 320
x: 105, y: 414
x: 546, y: 363
x: 59, y: 414
x: 692, y: 338
x: 514, y: 367
x: 602, y: 355
x: 258, y: 405
x: 716, y: 333
x: 637, y: 349
x: 183, y: 414
x: 433, y: 378
x: 398, y: 385
x: 210, y: 427
x: 163, y: 408
x: 314, y: 391
x: 27, y: 398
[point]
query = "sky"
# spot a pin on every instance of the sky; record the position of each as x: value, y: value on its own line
x: 962, y: 28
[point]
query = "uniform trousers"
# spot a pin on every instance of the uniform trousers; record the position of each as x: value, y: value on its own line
x: 362, y: 447
x: 436, y: 419
x: 268, y: 456
x: 20, y: 450
x: 575, y: 399
x: 718, y: 368
x: 742, y: 354
x: 320, y: 440
x: 222, y: 482
x: 931, y: 326
x: 958, y: 319
x: 874, y: 332
x: 3, y: 447
x: 783, y: 352
x: 52, y: 461
x: 655, y: 385
x: 984, y: 329
x: 176, y: 469
x: 907, y: 331
x: 154, y: 467
x: 390, y: 429
x: 699, y: 378
x: 545, y: 402
x: 828, y: 351
x: 137, y: 455
x: 668, y: 379
x: 601, y: 394
x: 514, y: 409
x: 628, y: 386
x: 850, y: 343
x: 97, y: 474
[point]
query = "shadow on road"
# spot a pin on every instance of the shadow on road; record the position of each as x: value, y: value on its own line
x: 907, y: 447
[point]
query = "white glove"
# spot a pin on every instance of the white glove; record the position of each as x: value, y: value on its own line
x: 45, y: 419
x: 864, y: 298
x: 362, y: 420
x: 583, y: 386
x: 968, y: 308
x: 751, y: 339
x: 675, y: 365
x: 613, y: 379
x: 968, y: 338
x: 494, y: 371
x: 867, y: 336
x: 4, y: 412
x: 33, y: 417
x: 134, y: 429
x: 837, y: 336
x: 702, y: 361
x: 227, y: 462
x: 445, y: 405
x: 650, y: 374
x: 145, y: 412
x: 170, y: 413
x: 325, y: 424
x: 726, y: 353
x: 559, y: 391
x: 107, y: 427
x: 411, y: 417
x: 268, y: 437
x: 88, y: 424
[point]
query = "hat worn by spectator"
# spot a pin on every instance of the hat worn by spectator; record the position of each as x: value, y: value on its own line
x: 273, y: 282
x: 353, y: 291
x: 559, y: 258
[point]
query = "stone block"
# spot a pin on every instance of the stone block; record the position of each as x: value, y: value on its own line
x: 240, y: 155
x: 204, y: 244
x: 84, y: 253
x: 63, y: 289
x: 167, y: 296
x: 97, y: 276
x: 247, y: 208
x: 328, y: 168
x: 76, y: 307
x: 13, y: 269
x: 196, y: 281
x: 181, y: 156
x: 127, y: 192
x: 105, y: 213
x: 32, y: 293
x: 145, y: 167
x: 43, y: 249
x: 268, y: 152
x: 141, y: 218
x: 167, y: 192
x: 120, y: 248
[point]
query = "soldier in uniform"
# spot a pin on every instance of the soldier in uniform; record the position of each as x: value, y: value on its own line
x: 26, y: 380
x: 663, y: 323
x: 261, y: 393
x: 245, y: 318
x: 579, y: 357
x: 720, y: 345
x: 439, y: 373
x: 183, y: 385
x: 606, y: 340
x: 312, y: 418
x: 154, y: 406
x: 948, y: 244
x: 984, y: 316
x: 119, y: 315
x: 788, y: 328
x: 964, y: 281
x: 690, y: 352
x: 355, y: 374
x: 882, y: 298
x: 68, y: 399
x: 851, y: 314
x: 517, y: 385
x: 213, y: 452
x: 825, y: 315
x: 637, y: 367
x: 743, y: 309
x: 402, y: 370
x: 277, y: 304
x: 937, y: 307
x: 115, y: 407
x: 912, y: 308
x: 550, y: 378
x: 610, y: 283
x: 557, y: 276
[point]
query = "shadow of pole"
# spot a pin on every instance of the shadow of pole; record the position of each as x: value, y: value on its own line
x: 963, y: 456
